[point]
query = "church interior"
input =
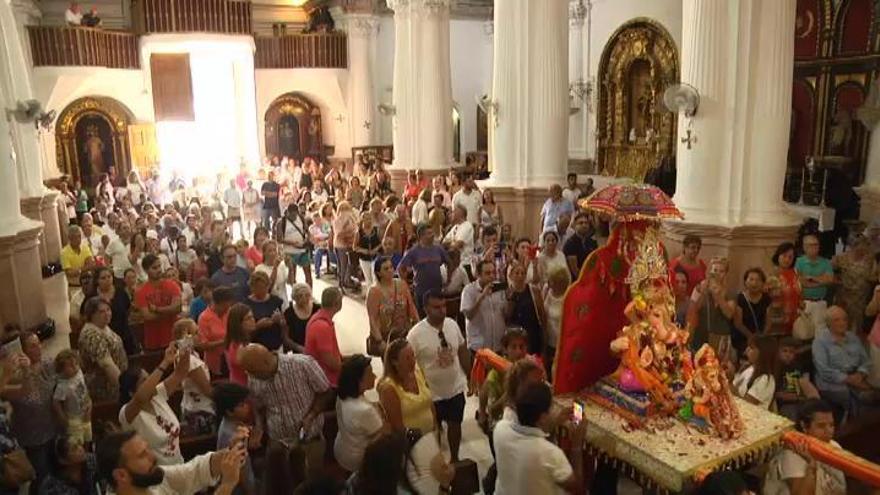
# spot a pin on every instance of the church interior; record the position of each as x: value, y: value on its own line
x: 757, y: 118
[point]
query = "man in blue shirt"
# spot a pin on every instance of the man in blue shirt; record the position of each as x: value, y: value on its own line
x: 425, y: 259
x: 553, y: 207
x: 842, y: 364
x: 816, y: 274
x: 231, y: 275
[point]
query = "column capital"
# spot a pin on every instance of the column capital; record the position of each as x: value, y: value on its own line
x: 361, y: 25
x: 577, y: 12
x: 425, y: 7
x: 27, y: 8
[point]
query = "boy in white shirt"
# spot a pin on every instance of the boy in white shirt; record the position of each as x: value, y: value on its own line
x: 527, y: 462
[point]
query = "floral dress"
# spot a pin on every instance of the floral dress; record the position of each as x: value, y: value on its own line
x: 95, y: 344
x: 857, y: 278
x: 792, y: 296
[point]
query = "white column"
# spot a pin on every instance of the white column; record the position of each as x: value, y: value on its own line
x: 577, y: 131
x: 869, y: 191
x: 422, y: 84
x: 548, y: 91
x: 529, y: 145
x: 739, y: 55
x: 771, y: 111
x: 17, y: 79
x: 362, y: 30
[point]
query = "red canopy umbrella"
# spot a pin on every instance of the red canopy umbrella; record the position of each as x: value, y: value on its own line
x: 631, y: 202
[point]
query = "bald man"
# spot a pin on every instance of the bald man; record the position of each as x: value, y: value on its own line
x: 292, y: 392
x: 842, y: 364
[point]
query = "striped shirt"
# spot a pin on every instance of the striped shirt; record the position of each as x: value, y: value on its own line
x: 289, y: 394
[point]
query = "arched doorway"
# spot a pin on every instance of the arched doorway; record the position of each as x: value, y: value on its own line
x: 635, y: 132
x: 293, y: 127
x: 91, y: 139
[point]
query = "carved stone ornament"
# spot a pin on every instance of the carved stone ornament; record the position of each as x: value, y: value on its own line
x: 363, y: 26
x: 577, y: 12
x: 639, y: 62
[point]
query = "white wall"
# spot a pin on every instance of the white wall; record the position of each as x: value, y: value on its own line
x: 607, y: 17
x: 470, y: 59
x: 324, y: 87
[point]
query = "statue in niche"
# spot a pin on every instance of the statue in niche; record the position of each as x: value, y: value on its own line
x: 641, y: 98
x: 315, y: 131
x: 841, y: 133
x: 94, y: 148
x: 288, y: 136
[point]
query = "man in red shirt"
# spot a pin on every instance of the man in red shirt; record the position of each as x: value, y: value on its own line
x: 159, y: 302
x: 321, y: 341
x: 212, y: 327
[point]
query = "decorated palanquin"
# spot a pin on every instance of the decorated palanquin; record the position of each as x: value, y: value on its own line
x: 662, y: 415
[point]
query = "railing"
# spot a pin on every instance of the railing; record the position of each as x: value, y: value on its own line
x: 67, y: 46
x: 182, y: 16
x: 326, y: 50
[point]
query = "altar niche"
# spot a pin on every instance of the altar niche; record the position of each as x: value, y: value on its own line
x: 91, y: 139
x: 635, y: 132
x: 293, y: 127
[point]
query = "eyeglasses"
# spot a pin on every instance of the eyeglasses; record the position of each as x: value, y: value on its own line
x: 443, y: 343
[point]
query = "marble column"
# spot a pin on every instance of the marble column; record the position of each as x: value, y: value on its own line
x: 529, y: 127
x: 21, y: 296
x: 38, y: 203
x: 739, y: 55
x: 869, y: 191
x: 422, y: 124
x: 528, y: 124
x: 578, y: 122
x: 362, y: 32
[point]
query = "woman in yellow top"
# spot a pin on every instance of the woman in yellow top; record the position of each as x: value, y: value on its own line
x: 403, y: 391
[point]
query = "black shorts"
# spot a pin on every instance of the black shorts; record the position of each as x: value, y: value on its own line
x: 450, y: 410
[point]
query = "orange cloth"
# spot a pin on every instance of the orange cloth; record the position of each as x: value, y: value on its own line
x: 485, y: 360
x: 852, y: 465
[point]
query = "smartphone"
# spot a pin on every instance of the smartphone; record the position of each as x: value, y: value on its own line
x: 10, y: 348
x: 185, y: 344
x: 577, y: 412
x: 499, y: 286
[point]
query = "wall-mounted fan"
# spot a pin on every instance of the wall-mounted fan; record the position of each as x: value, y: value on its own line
x: 682, y: 97
x: 29, y: 111
x: 46, y: 120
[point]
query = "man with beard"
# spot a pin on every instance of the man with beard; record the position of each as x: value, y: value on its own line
x: 129, y: 467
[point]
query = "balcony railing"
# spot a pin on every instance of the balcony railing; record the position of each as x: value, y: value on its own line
x: 325, y: 50
x: 193, y: 16
x: 66, y: 46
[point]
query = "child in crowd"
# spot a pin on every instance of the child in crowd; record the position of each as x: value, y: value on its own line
x: 795, y: 386
x: 186, y: 290
x: 756, y: 383
x: 776, y: 319
x: 319, y: 231
x: 184, y: 256
x: 71, y: 400
x: 453, y: 284
x: 241, y: 247
x: 196, y: 407
x: 203, y: 289
x: 234, y: 412
x: 506, y: 238
x: 389, y: 249
x: 492, y: 398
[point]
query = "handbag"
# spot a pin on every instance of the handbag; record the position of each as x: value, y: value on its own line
x: 803, y: 327
x: 467, y: 478
x: 17, y: 469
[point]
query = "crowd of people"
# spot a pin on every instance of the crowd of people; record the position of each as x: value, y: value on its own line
x: 210, y: 289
